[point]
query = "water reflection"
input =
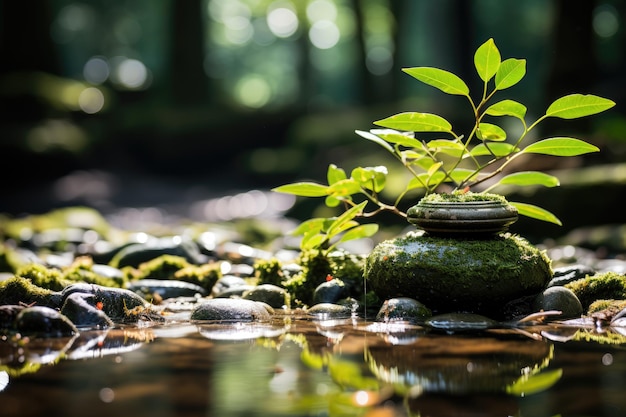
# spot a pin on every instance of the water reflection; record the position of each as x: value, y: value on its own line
x: 297, y: 366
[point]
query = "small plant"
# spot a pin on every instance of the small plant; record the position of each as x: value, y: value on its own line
x: 461, y: 161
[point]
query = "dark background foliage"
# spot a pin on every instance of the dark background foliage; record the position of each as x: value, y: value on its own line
x: 113, y: 102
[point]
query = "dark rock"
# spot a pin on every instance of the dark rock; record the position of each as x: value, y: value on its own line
x: 566, y: 274
x: 330, y: 292
x: 223, y: 309
x: 273, y: 295
x: 115, y: 302
x: 227, y: 282
x: 138, y: 253
x: 80, y: 309
x: 403, y: 309
x: 165, y: 288
x: 559, y: 298
x: 39, y: 321
x: 326, y: 311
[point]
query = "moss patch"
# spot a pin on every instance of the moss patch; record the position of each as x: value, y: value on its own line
x: 445, y: 274
x: 603, y: 286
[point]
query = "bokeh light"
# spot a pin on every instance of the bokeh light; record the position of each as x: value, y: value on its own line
x: 605, y: 21
x: 324, y: 34
x: 282, y: 20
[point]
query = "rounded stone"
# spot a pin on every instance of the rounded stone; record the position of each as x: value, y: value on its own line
x: 403, y: 309
x: 231, y: 309
x: 457, y: 275
x: 559, y: 298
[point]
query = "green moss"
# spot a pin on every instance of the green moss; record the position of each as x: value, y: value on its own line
x: 19, y: 290
x: 462, y: 274
x: 269, y: 271
x: 167, y: 267
x: 39, y: 275
x: 614, y: 306
x: 602, y: 286
x: 81, y: 270
x: 203, y: 275
x: 459, y: 196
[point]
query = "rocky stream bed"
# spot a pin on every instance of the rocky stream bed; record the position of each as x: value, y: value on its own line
x: 77, y: 285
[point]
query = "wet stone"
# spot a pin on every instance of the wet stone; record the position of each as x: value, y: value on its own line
x: 227, y: 282
x: 561, y: 299
x: 138, y: 253
x: 327, y: 311
x: 115, y: 302
x: 403, y: 309
x: 81, y: 310
x: 273, y: 295
x: 330, y: 292
x: 169, y: 288
x: 230, y: 309
x: 42, y: 321
x: 566, y: 274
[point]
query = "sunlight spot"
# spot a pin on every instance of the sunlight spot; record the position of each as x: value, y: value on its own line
x: 361, y: 398
x: 91, y: 100
x: 107, y: 395
x: 605, y: 21
x: 131, y: 74
x: 379, y: 60
x: 321, y: 10
x: 324, y: 34
x: 96, y: 70
x: 253, y: 91
x: 283, y: 22
x: 607, y: 359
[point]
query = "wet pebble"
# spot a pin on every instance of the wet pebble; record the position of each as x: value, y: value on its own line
x: 275, y: 296
x: 240, y: 310
x: 566, y: 274
x: 165, y: 288
x: 325, y: 311
x: 403, y: 309
x: 561, y: 299
x: 81, y: 310
x: 227, y: 282
x: 138, y: 253
x: 330, y: 292
x: 39, y: 321
x: 115, y: 302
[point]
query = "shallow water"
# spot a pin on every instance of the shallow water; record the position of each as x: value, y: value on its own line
x: 304, y: 367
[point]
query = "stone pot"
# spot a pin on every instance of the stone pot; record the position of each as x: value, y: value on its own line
x: 462, y: 217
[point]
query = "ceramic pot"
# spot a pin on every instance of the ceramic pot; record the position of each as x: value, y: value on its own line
x: 462, y: 217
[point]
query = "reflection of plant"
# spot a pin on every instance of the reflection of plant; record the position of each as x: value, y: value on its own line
x: 462, y: 161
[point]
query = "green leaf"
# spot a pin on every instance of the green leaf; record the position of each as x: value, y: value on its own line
x: 345, y: 217
x: 561, y: 147
x: 532, y: 384
x: 578, y: 105
x: 507, y: 108
x: 335, y: 174
x: 372, y: 178
x: 487, y: 60
x: 332, y: 201
x: 497, y: 149
x: 303, y: 189
x: 375, y: 139
x: 462, y: 174
x: 488, y: 131
x: 314, y: 225
x: 511, y: 72
x: 443, y: 80
x: 312, y: 241
x: 416, y: 122
x: 448, y: 147
x: 525, y: 178
x: 359, y: 232
x: 344, y: 188
x: 400, y: 138
x: 535, y: 212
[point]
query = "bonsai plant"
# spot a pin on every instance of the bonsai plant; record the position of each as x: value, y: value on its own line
x: 461, y: 162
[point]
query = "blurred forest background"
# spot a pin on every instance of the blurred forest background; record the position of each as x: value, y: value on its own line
x: 119, y: 102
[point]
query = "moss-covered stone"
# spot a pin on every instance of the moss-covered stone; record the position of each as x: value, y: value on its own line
x: 601, y: 286
x: 18, y: 290
x: 167, y: 267
x: 464, y: 275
